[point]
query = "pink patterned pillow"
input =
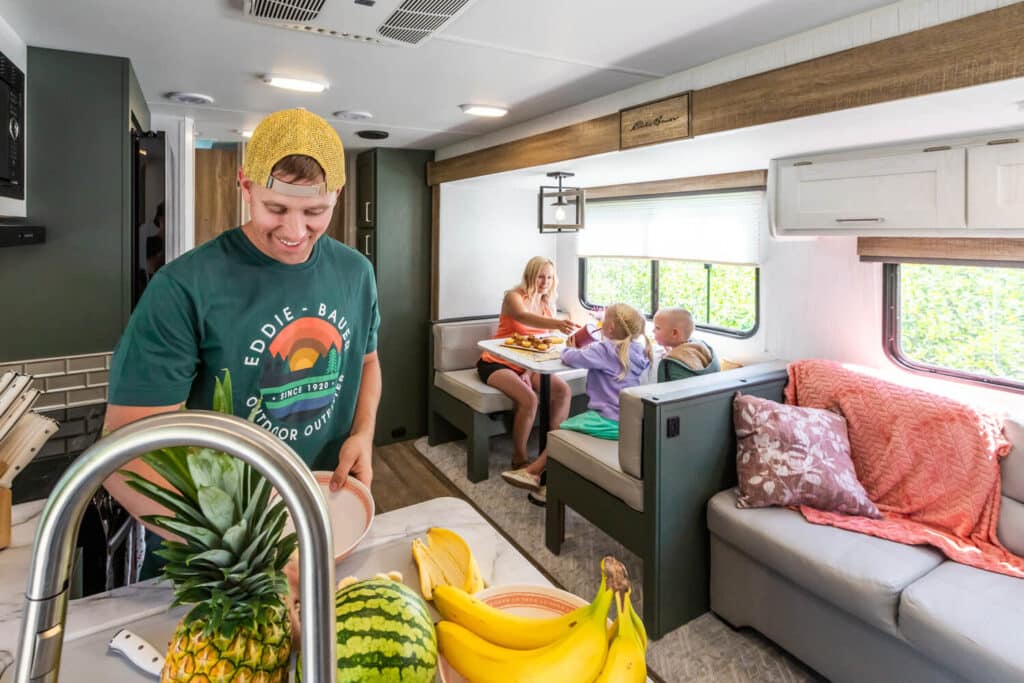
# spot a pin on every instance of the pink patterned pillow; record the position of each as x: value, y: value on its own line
x: 787, y: 455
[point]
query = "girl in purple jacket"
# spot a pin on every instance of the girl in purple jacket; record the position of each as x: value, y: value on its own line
x: 613, y: 364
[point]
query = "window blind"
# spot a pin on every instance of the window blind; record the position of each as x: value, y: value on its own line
x: 723, y: 227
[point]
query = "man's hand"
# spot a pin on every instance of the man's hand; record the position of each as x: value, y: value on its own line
x: 355, y: 458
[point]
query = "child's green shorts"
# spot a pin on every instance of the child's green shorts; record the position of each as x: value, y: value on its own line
x: 593, y: 423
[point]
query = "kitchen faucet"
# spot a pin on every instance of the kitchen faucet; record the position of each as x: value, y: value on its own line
x: 46, y: 598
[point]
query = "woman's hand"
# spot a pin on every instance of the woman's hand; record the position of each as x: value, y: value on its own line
x: 565, y: 326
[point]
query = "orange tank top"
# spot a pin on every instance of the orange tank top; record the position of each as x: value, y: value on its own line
x: 506, y: 326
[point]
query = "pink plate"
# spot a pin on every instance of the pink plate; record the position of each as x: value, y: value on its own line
x: 350, y: 510
x: 528, y: 601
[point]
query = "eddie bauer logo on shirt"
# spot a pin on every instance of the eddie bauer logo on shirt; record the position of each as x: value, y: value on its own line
x: 301, y: 375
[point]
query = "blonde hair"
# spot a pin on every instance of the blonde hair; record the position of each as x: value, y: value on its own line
x: 529, y: 283
x: 628, y: 325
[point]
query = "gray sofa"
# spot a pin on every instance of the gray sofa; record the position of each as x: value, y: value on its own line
x: 859, y: 608
x: 460, y: 405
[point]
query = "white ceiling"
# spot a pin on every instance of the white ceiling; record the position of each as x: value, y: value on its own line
x: 533, y: 56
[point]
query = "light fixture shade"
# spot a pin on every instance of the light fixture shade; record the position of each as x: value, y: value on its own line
x: 483, y: 110
x: 297, y: 84
x: 560, y: 209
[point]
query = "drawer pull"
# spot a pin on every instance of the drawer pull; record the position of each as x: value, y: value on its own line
x: 860, y: 220
x: 1004, y: 141
x: 938, y: 148
x: 803, y: 163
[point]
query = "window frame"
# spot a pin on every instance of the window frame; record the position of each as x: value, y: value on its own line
x: 891, y: 319
x: 656, y: 292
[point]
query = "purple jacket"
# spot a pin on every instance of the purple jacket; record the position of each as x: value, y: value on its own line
x: 602, y: 362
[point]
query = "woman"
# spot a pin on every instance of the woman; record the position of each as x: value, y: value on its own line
x: 528, y: 309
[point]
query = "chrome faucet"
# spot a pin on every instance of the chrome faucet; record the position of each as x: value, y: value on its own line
x: 46, y: 598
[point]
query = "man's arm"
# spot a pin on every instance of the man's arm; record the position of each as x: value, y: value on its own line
x: 135, y: 503
x: 356, y: 455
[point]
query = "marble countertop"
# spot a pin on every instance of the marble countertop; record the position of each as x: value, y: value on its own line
x: 500, y: 563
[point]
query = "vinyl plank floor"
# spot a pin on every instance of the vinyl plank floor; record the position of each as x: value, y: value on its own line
x: 402, y: 477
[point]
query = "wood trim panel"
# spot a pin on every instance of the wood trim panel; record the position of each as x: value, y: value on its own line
x: 435, y: 249
x: 977, y: 49
x: 595, y: 136
x: 655, y: 122
x: 706, y: 183
x: 946, y: 248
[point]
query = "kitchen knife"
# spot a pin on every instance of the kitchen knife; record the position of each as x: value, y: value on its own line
x: 23, y: 443
x: 14, y: 389
x: 137, y: 651
x: 21, y: 405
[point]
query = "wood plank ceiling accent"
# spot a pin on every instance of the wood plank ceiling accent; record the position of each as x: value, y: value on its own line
x: 978, y: 49
x: 595, y: 136
x: 705, y: 183
x: 894, y: 249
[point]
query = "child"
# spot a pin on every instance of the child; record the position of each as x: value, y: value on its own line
x: 613, y: 364
x: 684, y: 357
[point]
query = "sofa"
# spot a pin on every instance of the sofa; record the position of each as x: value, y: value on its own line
x: 460, y: 405
x: 649, y: 490
x: 860, y: 608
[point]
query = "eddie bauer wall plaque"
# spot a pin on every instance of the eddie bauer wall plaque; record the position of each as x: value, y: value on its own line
x: 654, y: 122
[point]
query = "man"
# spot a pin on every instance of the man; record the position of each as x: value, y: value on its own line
x: 292, y: 315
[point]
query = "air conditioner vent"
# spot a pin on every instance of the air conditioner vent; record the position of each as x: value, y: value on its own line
x: 287, y: 10
x: 414, y: 20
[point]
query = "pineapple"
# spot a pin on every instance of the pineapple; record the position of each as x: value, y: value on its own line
x: 229, y: 565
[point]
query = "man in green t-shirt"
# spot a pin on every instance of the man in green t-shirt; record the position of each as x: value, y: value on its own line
x: 291, y: 313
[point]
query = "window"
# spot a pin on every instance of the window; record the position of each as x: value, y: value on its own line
x: 966, y: 321
x: 722, y: 298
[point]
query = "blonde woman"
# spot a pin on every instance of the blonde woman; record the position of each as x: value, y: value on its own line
x: 527, y: 309
x: 613, y: 364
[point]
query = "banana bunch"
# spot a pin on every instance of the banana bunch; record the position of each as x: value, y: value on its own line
x: 487, y: 645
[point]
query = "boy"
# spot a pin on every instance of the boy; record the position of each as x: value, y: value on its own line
x: 684, y: 357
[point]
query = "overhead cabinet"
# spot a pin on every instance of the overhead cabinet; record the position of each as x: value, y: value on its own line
x: 913, y: 191
x: 995, y: 185
x: 966, y: 187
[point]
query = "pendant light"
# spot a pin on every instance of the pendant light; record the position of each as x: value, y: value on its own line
x: 565, y: 212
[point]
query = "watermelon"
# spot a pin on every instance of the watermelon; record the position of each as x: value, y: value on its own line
x: 385, y: 634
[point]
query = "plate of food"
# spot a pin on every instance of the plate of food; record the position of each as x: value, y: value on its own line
x: 524, y: 600
x: 351, y: 511
x: 535, y: 343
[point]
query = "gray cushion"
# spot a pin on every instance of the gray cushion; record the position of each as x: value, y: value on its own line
x: 1011, y: 512
x: 596, y: 460
x: 455, y: 343
x: 466, y: 386
x: 968, y: 619
x: 858, y: 573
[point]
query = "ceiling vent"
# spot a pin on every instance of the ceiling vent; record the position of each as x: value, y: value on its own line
x: 384, y: 22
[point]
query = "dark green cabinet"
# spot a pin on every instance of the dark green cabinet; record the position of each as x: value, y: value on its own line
x: 72, y: 294
x: 366, y: 190
x: 398, y: 244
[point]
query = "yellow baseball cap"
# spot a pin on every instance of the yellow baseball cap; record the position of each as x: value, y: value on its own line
x: 294, y: 131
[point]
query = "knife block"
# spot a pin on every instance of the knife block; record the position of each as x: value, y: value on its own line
x: 5, y: 517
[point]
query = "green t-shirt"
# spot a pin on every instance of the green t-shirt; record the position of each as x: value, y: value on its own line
x: 293, y: 337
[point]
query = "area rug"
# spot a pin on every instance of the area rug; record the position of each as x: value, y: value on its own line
x: 704, y: 650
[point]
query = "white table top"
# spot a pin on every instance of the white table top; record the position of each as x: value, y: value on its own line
x: 542, y: 367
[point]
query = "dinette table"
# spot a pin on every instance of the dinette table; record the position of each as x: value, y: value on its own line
x: 543, y: 364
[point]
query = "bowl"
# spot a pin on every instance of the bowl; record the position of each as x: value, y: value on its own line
x: 350, y: 509
x: 524, y: 600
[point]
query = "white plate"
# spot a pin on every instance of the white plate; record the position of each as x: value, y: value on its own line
x: 525, y: 600
x: 350, y: 510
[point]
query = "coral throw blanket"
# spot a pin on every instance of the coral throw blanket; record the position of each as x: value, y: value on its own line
x: 929, y: 463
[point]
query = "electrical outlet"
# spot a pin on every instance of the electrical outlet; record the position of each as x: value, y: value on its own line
x: 672, y: 427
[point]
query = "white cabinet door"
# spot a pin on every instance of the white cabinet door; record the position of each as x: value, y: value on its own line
x: 995, y: 188
x: 912, y: 191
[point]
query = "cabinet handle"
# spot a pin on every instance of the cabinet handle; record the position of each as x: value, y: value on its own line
x: 14, y: 128
x: 1004, y: 141
x: 860, y: 220
x: 366, y: 246
x: 366, y: 211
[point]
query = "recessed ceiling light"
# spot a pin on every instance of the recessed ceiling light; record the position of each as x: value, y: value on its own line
x: 189, y: 97
x: 295, y: 83
x: 348, y: 115
x: 372, y: 134
x: 244, y: 133
x: 483, y: 110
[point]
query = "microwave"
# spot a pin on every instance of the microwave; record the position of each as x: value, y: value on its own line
x: 12, y: 130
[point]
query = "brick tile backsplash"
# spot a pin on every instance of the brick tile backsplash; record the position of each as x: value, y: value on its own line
x: 76, y: 381
x: 85, y: 363
x: 67, y: 381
